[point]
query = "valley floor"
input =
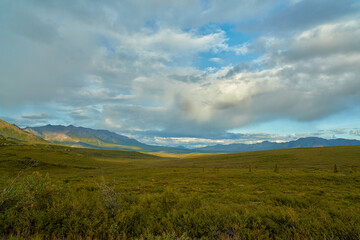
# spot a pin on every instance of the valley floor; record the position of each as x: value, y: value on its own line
x: 68, y: 193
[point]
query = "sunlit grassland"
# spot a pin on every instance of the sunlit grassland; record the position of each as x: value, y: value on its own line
x: 285, y: 194
x: 181, y: 155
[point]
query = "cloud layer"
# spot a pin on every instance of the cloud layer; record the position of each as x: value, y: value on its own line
x: 160, y: 69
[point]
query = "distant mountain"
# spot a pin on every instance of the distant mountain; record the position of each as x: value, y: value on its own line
x: 266, y: 145
x: 103, y: 139
x: 91, y: 138
x: 15, y: 134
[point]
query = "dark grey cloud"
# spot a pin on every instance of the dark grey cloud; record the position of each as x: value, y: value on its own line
x: 128, y: 66
x: 302, y: 15
x: 42, y: 116
x: 242, y: 67
x: 30, y: 120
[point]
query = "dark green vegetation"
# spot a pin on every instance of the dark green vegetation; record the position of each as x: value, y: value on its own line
x: 49, y: 191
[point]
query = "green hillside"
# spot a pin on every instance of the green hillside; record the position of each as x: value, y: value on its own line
x: 56, y: 192
x: 321, y: 158
x: 12, y: 132
x: 93, y: 138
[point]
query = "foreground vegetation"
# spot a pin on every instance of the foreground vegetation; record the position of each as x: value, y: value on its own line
x: 67, y: 193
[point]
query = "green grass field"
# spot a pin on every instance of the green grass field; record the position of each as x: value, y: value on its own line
x: 50, y: 191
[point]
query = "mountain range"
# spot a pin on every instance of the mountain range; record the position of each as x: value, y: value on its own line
x: 13, y: 133
x: 266, y: 145
x: 104, y: 139
x: 91, y: 138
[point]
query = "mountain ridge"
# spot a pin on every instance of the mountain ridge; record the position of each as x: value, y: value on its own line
x: 95, y: 138
x: 266, y: 145
x: 14, y: 133
x: 104, y: 139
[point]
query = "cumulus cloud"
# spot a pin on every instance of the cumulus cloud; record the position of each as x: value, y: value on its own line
x: 196, y: 141
x: 216, y: 60
x: 303, y: 14
x: 355, y: 132
x: 305, y: 88
x: 135, y: 66
x: 325, y: 40
x: 42, y: 116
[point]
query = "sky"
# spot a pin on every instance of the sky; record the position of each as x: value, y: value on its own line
x: 184, y: 72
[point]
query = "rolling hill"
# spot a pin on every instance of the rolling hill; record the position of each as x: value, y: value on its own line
x: 12, y: 132
x: 310, y: 193
x: 91, y: 138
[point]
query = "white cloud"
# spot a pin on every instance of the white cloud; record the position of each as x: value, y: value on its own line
x: 327, y: 39
x: 216, y: 60
x: 241, y: 49
x: 134, y: 64
x: 175, y: 42
x: 304, y: 88
x: 355, y: 132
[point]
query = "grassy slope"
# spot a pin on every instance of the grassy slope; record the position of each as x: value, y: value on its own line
x: 304, y: 199
x: 72, y: 141
x: 13, y: 132
x: 11, y: 157
x: 91, y: 138
x: 68, y: 140
x: 298, y: 158
x: 290, y: 159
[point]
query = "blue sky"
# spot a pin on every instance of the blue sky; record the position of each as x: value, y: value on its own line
x: 188, y: 73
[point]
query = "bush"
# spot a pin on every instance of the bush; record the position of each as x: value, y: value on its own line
x: 39, y: 208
